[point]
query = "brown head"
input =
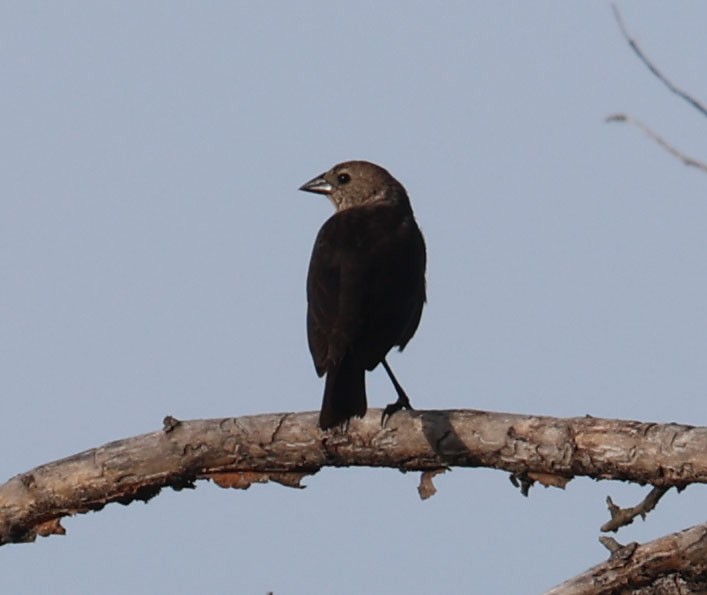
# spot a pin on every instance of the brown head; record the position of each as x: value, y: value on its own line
x: 357, y: 183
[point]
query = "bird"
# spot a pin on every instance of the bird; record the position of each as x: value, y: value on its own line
x: 365, y: 286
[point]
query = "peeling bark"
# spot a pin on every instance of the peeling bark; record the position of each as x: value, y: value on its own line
x: 236, y: 452
x: 674, y: 564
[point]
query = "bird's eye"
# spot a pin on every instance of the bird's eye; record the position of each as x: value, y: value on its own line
x: 343, y: 178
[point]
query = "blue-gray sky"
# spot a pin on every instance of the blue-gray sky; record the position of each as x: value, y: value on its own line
x: 153, y: 250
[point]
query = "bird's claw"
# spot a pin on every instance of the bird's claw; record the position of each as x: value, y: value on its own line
x: 394, y: 408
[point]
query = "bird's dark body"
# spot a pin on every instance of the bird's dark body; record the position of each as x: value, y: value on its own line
x: 365, y: 292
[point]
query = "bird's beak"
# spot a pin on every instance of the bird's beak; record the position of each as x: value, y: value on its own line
x: 317, y: 185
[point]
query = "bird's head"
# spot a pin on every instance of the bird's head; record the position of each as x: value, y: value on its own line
x: 357, y: 183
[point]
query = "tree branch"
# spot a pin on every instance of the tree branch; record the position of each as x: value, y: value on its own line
x: 620, y: 517
x: 654, y: 69
x: 236, y: 452
x: 676, y: 563
x: 686, y: 159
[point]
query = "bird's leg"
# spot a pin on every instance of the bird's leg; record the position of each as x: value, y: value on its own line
x: 403, y: 401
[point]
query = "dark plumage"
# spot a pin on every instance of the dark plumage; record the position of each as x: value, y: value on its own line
x: 365, y: 287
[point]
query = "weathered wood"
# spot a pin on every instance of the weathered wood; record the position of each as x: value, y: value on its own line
x: 236, y: 452
x: 676, y: 563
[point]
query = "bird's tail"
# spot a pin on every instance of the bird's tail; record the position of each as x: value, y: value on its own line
x: 344, y: 394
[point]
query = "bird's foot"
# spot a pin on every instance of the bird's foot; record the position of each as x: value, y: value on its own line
x: 401, y: 403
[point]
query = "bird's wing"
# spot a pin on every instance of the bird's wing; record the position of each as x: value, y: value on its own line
x: 418, y: 295
x: 334, y: 288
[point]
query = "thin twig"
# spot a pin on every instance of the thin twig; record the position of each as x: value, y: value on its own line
x: 659, y: 75
x: 620, y: 517
x: 686, y: 159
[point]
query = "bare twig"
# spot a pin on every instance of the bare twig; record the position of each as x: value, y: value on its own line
x: 686, y: 159
x: 610, y: 544
x: 620, y: 517
x: 661, y: 77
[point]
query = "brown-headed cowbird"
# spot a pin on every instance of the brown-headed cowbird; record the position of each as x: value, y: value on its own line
x: 365, y: 287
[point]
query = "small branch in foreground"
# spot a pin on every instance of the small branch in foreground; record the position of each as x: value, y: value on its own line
x: 679, y: 558
x: 285, y: 447
x: 621, y: 517
x: 686, y: 159
x: 614, y: 546
x: 654, y: 70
